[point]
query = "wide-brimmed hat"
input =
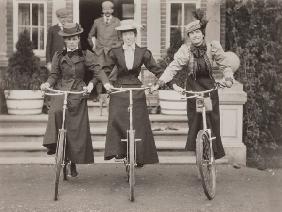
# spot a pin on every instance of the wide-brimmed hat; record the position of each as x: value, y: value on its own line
x: 71, y: 29
x: 194, y: 25
x: 62, y: 13
x: 127, y: 25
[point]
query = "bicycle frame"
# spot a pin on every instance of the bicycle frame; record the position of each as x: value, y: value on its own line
x: 209, y: 178
x: 131, y: 140
x: 61, y: 142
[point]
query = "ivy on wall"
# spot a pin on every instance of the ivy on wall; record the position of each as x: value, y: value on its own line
x: 254, y: 32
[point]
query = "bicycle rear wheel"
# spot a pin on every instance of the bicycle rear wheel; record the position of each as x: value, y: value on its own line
x: 59, y: 160
x: 206, y: 164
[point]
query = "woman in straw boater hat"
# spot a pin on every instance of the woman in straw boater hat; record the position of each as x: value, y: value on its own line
x: 199, y: 56
x: 67, y: 73
x: 128, y: 60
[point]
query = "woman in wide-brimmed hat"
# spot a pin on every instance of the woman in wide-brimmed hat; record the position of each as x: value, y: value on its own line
x: 128, y: 59
x: 199, y: 56
x: 67, y: 73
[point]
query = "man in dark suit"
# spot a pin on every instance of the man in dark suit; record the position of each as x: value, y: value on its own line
x: 103, y: 36
x: 55, y: 42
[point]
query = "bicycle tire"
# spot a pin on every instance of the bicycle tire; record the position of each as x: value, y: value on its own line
x: 131, y: 166
x: 59, y: 161
x: 206, y: 164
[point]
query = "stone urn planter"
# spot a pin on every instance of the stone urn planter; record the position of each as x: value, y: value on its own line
x: 171, y: 103
x: 24, y: 102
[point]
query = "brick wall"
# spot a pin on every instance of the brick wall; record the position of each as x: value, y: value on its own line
x: 144, y: 22
x: 9, y: 27
x: 163, y: 27
x: 222, y: 23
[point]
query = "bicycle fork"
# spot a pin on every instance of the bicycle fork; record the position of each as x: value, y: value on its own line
x: 204, y: 117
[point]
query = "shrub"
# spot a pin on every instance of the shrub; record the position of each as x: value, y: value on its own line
x: 253, y: 31
x: 24, y: 71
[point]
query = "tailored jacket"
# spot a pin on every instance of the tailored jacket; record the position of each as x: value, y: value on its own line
x: 215, y: 57
x: 68, y: 73
x: 122, y: 76
x: 106, y: 35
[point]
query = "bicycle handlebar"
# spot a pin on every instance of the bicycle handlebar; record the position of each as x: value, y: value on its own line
x: 200, y: 93
x: 118, y: 90
x: 60, y: 92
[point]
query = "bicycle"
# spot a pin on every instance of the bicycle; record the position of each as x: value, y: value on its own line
x: 60, y: 159
x: 130, y: 160
x: 204, y: 152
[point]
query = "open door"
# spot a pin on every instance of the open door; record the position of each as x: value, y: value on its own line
x: 89, y: 10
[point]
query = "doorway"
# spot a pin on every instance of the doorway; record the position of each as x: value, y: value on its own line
x: 89, y: 10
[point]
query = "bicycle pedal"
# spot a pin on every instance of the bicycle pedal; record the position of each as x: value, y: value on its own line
x: 212, y: 138
x: 138, y: 139
x: 123, y: 140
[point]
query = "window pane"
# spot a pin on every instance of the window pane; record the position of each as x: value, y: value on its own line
x: 41, y: 38
x: 127, y: 11
x: 175, y: 35
x: 24, y: 14
x: 35, y: 38
x: 175, y: 15
x: 35, y: 14
x: 41, y: 14
x: 188, y: 16
x: 21, y: 29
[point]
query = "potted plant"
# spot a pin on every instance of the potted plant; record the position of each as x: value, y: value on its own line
x: 23, y: 78
x: 169, y: 100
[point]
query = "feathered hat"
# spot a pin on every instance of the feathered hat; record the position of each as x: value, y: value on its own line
x: 199, y: 23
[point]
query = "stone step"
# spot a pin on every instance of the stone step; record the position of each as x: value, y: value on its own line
x: 157, y: 121
x: 42, y: 158
x: 98, y: 145
x: 39, y: 131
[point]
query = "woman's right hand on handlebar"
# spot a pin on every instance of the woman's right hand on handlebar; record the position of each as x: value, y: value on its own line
x: 44, y: 86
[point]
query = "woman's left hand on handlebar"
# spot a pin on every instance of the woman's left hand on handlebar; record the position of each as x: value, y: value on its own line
x: 177, y: 88
x: 88, y: 88
x: 108, y: 87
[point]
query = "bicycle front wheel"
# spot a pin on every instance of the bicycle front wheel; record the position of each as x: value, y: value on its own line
x: 58, y: 161
x: 131, y: 165
x: 206, y: 164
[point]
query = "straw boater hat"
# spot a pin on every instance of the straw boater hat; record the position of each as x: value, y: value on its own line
x: 71, y: 29
x: 194, y: 25
x: 127, y: 25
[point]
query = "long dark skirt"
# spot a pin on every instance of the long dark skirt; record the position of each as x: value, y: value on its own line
x: 195, y: 119
x: 79, y: 144
x: 118, y: 124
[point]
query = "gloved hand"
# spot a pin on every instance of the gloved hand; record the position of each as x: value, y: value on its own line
x: 178, y: 89
x: 89, y: 87
x: 108, y: 87
x: 49, y: 66
x: 44, y: 86
x: 228, y: 82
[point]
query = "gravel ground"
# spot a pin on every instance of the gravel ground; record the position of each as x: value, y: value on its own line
x: 103, y: 187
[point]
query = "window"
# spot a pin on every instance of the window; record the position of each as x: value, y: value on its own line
x: 179, y: 15
x: 31, y: 15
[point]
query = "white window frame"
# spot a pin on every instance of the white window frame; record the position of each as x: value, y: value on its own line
x: 40, y: 53
x: 168, y: 6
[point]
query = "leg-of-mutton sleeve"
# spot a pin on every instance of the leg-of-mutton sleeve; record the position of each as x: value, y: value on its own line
x: 181, y: 59
x: 220, y: 59
x: 151, y: 64
x: 95, y: 68
x: 55, y: 70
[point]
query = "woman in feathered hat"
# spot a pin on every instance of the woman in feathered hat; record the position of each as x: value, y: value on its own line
x: 67, y: 73
x: 128, y: 60
x: 199, y: 56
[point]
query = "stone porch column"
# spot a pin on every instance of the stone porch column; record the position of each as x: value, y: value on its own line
x: 231, y: 102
